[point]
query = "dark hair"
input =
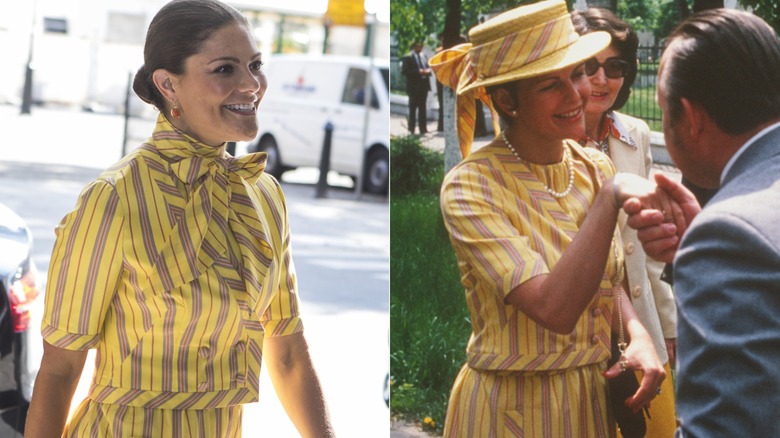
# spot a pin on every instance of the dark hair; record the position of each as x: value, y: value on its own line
x: 624, y: 40
x: 176, y: 33
x: 728, y: 62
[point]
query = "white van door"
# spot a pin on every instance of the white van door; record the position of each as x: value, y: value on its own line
x: 305, y: 97
x: 347, y: 149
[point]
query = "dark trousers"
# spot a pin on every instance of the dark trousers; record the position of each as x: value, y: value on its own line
x: 417, y: 112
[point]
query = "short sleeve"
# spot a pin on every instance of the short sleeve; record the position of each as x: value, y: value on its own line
x: 282, y: 316
x: 482, y: 234
x: 85, y: 268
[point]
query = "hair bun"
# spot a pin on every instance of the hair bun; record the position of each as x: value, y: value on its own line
x: 142, y: 85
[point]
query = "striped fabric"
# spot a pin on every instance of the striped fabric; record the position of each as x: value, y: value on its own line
x: 174, y: 264
x: 569, y: 403
x: 450, y: 66
x: 112, y: 420
x: 521, y: 48
x: 505, y: 229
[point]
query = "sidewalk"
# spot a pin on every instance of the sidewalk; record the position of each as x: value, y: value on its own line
x: 433, y: 139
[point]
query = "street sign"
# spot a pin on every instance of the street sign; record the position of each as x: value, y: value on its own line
x: 346, y: 13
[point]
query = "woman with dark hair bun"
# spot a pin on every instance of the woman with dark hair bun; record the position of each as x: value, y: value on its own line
x: 626, y: 140
x: 175, y: 263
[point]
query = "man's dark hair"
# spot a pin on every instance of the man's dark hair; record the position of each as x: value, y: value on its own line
x: 728, y: 62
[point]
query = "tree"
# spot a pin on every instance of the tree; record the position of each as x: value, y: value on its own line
x: 769, y: 10
x: 424, y: 19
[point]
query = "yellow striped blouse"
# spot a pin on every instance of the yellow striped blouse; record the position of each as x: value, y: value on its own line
x: 174, y: 264
x: 505, y: 229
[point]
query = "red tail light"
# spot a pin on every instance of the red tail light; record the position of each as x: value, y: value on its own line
x: 23, y: 292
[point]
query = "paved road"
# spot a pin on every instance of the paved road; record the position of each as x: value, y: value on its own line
x: 340, y: 246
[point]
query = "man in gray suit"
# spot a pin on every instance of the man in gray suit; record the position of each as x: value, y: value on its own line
x: 719, y: 89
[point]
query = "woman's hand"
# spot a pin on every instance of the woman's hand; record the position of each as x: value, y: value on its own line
x: 648, y: 196
x: 640, y: 355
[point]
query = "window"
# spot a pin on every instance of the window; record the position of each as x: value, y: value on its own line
x: 355, y: 86
x: 55, y: 25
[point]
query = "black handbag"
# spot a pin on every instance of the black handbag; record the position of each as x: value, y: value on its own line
x: 620, y: 388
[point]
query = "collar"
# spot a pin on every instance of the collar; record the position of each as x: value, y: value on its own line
x: 614, y: 128
x: 742, y: 149
x: 190, y: 159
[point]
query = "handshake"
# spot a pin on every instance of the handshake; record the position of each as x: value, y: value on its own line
x: 660, y: 212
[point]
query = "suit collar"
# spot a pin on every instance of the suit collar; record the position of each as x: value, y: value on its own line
x: 759, y: 148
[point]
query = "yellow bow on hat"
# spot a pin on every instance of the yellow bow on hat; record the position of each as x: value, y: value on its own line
x: 453, y: 68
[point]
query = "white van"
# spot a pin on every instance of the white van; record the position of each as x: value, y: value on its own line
x: 306, y: 92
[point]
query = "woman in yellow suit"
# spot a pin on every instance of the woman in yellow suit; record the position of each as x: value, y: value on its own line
x: 532, y: 219
x: 175, y: 264
x: 626, y: 140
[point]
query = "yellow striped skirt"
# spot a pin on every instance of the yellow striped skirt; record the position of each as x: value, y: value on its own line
x: 93, y: 419
x: 555, y: 404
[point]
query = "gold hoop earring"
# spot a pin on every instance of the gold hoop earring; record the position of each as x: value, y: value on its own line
x: 175, y: 112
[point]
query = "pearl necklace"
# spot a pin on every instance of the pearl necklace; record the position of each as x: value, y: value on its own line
x: 567, y: 160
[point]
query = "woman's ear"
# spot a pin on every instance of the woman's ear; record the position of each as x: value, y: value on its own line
x: 505, y: 101
x: 164, y: 81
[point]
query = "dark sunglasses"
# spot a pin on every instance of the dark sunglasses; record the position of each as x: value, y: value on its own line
x: 613, y: 68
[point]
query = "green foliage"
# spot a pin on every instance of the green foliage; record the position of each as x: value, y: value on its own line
x: 428, y: 316
x: 769, y: 10
x: 656, y: 16
x: 413, y: 20
x: 642, y: 104
x: 414, y: 169
x: 423, y: 20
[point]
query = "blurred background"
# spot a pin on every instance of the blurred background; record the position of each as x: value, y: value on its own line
x: 67, y: 111
x: 82, y: 52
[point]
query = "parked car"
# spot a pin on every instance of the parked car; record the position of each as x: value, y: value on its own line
x: 21, y: 309
x: 307, y: 92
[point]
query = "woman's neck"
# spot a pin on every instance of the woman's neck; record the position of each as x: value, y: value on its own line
x: 594, y: 125
x: 535, y: 149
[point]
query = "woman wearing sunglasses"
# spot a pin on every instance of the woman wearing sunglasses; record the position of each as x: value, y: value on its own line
x: 627, y: 142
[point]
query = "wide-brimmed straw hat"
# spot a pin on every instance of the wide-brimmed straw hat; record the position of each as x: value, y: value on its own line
x: 522, y: 43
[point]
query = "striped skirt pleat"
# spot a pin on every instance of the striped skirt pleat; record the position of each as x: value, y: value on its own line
x: 557, y: 404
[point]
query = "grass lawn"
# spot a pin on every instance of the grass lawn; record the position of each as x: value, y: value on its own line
x: 428, y: 315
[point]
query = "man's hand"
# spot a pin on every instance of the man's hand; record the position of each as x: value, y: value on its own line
x: 660, y: 230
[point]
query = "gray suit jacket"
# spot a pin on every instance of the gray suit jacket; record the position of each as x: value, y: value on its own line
x: 727, y: 280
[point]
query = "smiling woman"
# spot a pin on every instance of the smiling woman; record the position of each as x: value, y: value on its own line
x: 175, y: 263
x: 523, y: 214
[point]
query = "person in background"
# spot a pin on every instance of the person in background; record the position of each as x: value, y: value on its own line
x: 175, y: 263
x: 626, y: 140
x: 532, y: 220
x: 720, y: 97
x: 418, y: 83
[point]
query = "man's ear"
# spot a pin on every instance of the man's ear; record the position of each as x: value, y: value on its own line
x: 696, y: 118
x: 164, y: 81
